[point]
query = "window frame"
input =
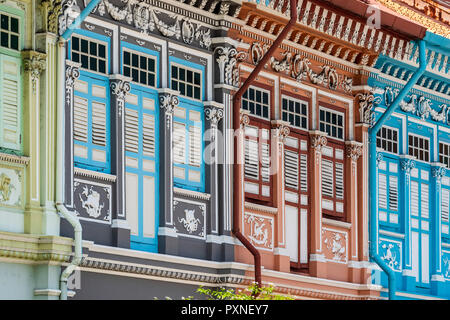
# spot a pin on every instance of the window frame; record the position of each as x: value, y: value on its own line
x: 182, y: 64
x: 442, y: 155
x: 326, y: 108
x: 139, y: 51
x: 397, y: 142
x: 263, y: 90
x: 295, y: 100
x: 428, y: 152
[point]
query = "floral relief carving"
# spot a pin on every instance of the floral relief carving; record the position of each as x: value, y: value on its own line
x: 120, y: 89
x: 366, y: 107
x: 227, y: 60
x: 390, y: 252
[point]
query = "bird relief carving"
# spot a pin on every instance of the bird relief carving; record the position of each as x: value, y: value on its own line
x: 189, y: 221
x: 336, y: 244
x: 389, y: 255
x: 259, y: 231
x: 91, y: 202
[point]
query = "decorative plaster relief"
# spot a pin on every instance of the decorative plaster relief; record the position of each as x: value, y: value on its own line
x: 92, y: 201
x: 259, y: 230
x: 335, y: 245
x: 189, y: 218
x: 11, y: 187
x: 147, y: 19
x: 227, y: 60
x: 417, y: 105
x: 391, y: 253
x: 446, y: 264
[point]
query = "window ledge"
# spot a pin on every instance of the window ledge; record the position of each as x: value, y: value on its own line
x: 14, y: 159
x: 192, y: 194
x: 94, y: 174
x: 261, y: 208
x: 336, y: 223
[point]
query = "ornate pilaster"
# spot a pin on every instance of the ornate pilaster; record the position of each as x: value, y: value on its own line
x: 34, y: 64
x: 120, y: 87
x: 72, y: 75
x: 168, y: 101
x: 438, y: 171
x: 227, y: 60
x: 318, y: 140
x: 407, y: 163
x: 353, y: 150
x: 214, y: 114
x: 366, y: 101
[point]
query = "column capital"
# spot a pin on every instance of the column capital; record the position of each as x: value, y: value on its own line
x: 438, y: 170
x: 168, y: 99
x: 120, y: 87
x: 227, y: 60
x: 282, y: 129
x: 407, y: 163
x: 318, y: 139
x: 353, y: 149
x: 366, y: 101
x: 245, y: 119
x: 34, y: 64
x: 213, y: 112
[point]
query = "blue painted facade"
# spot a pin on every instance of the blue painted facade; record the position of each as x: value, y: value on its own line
x: 413, y: 176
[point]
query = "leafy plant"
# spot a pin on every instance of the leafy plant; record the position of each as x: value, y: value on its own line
x: 253, y: 292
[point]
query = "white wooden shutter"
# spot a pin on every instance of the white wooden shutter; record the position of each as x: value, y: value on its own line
x: 99, y: 123
x: 327, y: 178
x: 393, y: 193
x: 291, y: 169
x: 382, y: 191
x: 265, y: 162
x: 414, y: 198
x: 179, y: 143
x: 80, y: 119
x: 424, y: 201
x: 10, y: 97
x: 303, y: 173
x: 445, y: 204
x: 339, y: 180
x: 251, y: 168
x: 131, y: 130
x: 195, y: 146
x: 148, y: 135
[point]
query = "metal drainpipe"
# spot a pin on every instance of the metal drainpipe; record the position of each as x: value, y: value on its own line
x: 373, y: 169
x: 62, y: 210
x: 238, y: 201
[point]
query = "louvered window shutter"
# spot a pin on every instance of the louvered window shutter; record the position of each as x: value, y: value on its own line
x: 393, y: 193
x: 445, y: 204
x: 148, y: 135
x: 327, y: 178
x: 265, y: 162
x: 291, y: 169
x: 10, y: 97
x: 195, y: 146
x: 99, y: 124
x: 414, y: 198
x: 131, y: 130
x: 80, y: 116
x: 339, y: 180
x: 251, y: 159
x: 303, y: 173
x: 382, y: 191
x: 179, y: 143
x: 424, y: 204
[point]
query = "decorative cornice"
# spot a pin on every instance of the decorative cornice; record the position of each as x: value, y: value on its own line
x: 192, y: 194
x: 260, y: 208
x: 6, y: 157
x: 94, y: 175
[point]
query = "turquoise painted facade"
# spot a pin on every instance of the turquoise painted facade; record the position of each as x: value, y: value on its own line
x: 413, y: 173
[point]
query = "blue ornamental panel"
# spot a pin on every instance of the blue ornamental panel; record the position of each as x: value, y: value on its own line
x: 391, y: 252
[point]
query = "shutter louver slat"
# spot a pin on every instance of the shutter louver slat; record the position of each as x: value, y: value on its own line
x: 445, y: 205
x: 131, y: 130
x: 339, y: 181
x: 393, y: 193
x: 424, y: 204
x: 99, y: 124
x: 148, y: 130
x: 195, y: 146
x: 303, y: 173
x: 291, y: 169
x: 80, y: 119
x: 382, y: 191
x: 414, y: 198
x: 265, y: 162
x: 179, y: 143
x: 251, y: 160
x: 327, y: 178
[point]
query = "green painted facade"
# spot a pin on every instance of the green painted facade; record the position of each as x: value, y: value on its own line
x: 31, y: 252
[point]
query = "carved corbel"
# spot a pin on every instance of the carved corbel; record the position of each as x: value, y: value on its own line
x: 318, y: 140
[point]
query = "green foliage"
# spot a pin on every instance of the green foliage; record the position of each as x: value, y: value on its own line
x: 250, y: 293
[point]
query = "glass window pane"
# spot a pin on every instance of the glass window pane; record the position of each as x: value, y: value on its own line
x: 135, y: 75
x: 5, y: 22
x: 84, y: 46
x: 174, y: 72
x: 101, y: 51
x: 197, y: 94
x: 14, y: 25
x: 143, y: 62
x: 84, y: 61
x: 135, y: 60
x: 126, y: 58
x: 189, y: 77
x: 14, y: 42
x: 151, y: 65
x: 151, y: 80
x: 5, y: 39
x: 75, y: 43
x: 93, y: 64
x: 93, y: 48
x: 102, y: 66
